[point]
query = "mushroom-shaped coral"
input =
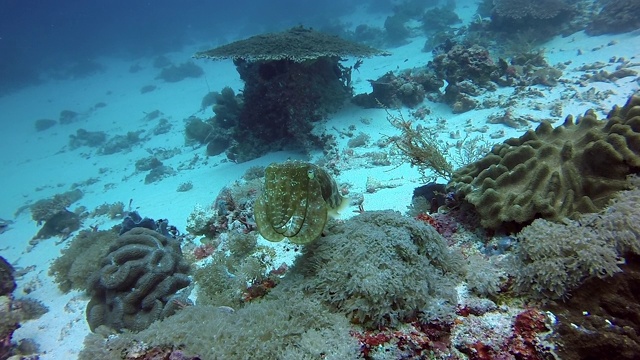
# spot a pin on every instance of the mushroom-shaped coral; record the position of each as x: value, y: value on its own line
x: 291, y: 79
x: 555, y: 173
x: 296, y: 201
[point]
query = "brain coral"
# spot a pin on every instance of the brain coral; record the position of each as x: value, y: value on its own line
x: 555, y: 173
x: 138, y: 281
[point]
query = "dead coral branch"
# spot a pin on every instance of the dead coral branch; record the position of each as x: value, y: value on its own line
x: 421, y: 148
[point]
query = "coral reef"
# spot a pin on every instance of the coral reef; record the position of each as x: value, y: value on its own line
x: 7, y: 281
x: 408, y: 88
x: 158, y: 173
x: 296, y: 201
x: 465, y: 69
x: 292, y: 79
x: 379, y: 268
x: 12, y: 313
x: 591, y: 247
x: 138, y: 282
x: 600, y: 320
x: 198, y: 130
x: 616, y: 16
x: 134, y: 220
x: 232, y: 210
x: 555, y: 173
x: 297, y: 44
x: 4, y: 225
x: 68, y: 116
x: 209, y: 133
x: 439, y: 18
x: 545, y: 266
x: 148, y: 163
x: 119, y: 143
x: 43, y: 210
x: 303, y: 329
x: 112, y: 211
x: 396, y: 31
x: 227, y: 107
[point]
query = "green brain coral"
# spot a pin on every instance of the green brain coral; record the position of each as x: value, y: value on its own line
x: 296, y: 201
x: 554, y: 173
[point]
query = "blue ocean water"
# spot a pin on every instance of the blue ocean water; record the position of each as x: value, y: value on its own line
x: 37, y: 36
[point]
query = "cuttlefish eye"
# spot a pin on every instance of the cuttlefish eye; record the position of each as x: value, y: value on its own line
x: 311, y: 174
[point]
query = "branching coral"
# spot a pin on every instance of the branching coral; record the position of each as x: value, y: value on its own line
x: 421, y: 148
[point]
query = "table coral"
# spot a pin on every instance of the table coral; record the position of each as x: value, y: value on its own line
x: 292, y: 79
x: 554, y: 173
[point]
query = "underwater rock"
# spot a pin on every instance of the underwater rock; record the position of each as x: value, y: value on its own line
x: 61, y: 224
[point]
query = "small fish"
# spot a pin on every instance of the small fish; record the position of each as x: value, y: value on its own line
x: 356, y: 66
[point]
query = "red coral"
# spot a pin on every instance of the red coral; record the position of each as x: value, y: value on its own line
x: 203, y: 251
x: 369, y: 340
x: 444, y: 225
x: 417, y: 341
x: 527, y: 324
x: 281, y: 270
x: 258, y: 289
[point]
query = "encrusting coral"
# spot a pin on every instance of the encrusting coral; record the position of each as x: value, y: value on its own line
x: 554, y: 173
x: 296, y: 201
x: 138, y: 282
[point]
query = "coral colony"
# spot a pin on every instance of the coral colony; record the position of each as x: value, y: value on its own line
x: 525, y: 247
